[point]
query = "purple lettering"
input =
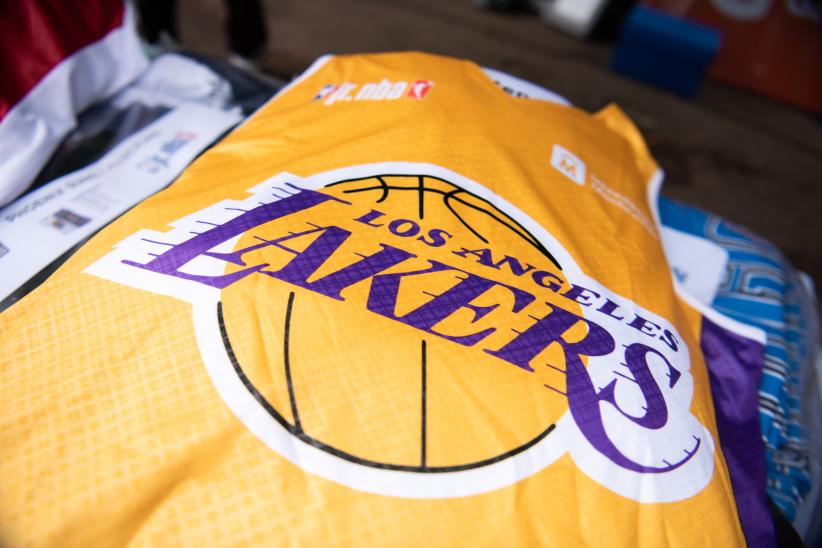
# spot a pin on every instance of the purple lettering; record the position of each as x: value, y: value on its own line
x: 669, y: 339
x: 584, y: 404
x: 583, y: 398
x: 396, y: 228
x: 437, y: 237
x: 382, y: 299
x: 305, y: 263
x: 171, y: 261
x: 516, y: 267
x: 548, y: 330
x: 642, y: 325
x: 580, y: 294
x: 483, y: 255
x: 369, y: 217
x: 609, y: 308
x: 539, y: 279
x: 656, y: 412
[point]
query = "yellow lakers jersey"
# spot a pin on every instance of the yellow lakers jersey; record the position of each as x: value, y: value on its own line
x: 395, y: 307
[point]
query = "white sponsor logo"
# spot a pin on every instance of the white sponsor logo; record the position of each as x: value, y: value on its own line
x: 568, y: 164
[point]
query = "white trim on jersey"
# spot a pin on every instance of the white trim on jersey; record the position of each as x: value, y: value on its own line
x: 524, y: 88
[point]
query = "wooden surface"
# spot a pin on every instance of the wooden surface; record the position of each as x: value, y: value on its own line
x: 749, y: 159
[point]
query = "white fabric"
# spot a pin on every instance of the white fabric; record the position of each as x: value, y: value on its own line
x: 523, y: 88
x: 42, y: 225
x: 33, y: 128
x: 698, y: 264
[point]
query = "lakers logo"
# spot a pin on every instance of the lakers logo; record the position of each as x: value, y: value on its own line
x: 402, y: 330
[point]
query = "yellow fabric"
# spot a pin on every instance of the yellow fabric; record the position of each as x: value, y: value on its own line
x: 113, y: 433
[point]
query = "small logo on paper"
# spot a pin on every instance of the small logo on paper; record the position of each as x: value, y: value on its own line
x: 160, y: 160
x: 64, y: 220
x: 420, y: 89
x: 568, y: 164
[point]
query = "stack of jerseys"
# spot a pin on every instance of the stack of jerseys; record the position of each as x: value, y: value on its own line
x: 395, y: 306
x: 760, y: 288
x: 748, y: 279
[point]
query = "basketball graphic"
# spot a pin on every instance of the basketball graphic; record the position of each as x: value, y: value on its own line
x: 424, y: 401
x: 402, y: 330
x: 446, y: 318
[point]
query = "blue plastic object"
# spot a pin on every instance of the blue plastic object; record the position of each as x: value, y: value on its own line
x: 665, y: 50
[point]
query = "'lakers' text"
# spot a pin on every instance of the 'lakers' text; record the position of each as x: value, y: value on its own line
x: 386, y: 266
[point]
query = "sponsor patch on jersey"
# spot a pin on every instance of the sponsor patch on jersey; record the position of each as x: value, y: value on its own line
x: 568, y: 163
x: 384, y: 90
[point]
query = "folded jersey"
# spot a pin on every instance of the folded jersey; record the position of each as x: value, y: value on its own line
x: 396, y: 305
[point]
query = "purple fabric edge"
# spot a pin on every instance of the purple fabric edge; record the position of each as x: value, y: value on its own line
x: 735, y: 368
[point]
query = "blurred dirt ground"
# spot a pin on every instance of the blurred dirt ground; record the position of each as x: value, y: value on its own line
x: 745, y: 157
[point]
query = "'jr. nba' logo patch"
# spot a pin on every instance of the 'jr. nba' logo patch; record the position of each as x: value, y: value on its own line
x: 400, y: 329
x: 384, y: 90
